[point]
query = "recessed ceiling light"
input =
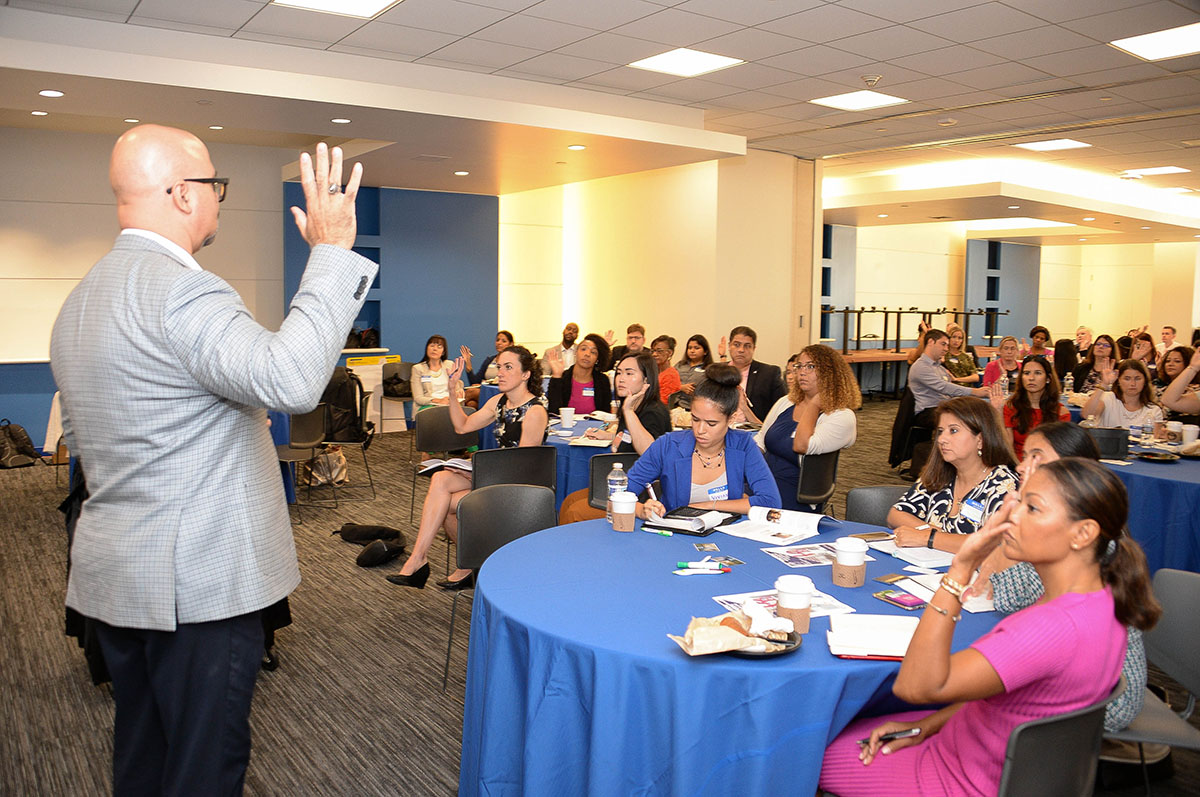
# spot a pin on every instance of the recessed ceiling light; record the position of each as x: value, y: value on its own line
x: 39, y: 113
x: 1155, y: 170
x: 1083, y: 239
x: 859, y: 101
x: 346, y: 8
x: 881, y: 216
x: 216, y: 127
x: 1014, y: 207
x: 576, y: 147
x: 131, y: 121
x: 1106, y: 99
x: 1196, y: 236
x: 686, y: 63
x: 1178, y: 189
x: 1089, y: 218
x: 1145, y: 228
x: 1016, y: 223
x: 50, y: 93
x: 1052, y: 144
x: 341, y: 120
x: 461, y: 174
x: 1170, y: 43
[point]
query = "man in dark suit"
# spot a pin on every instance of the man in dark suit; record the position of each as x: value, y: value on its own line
x: 762, y: 384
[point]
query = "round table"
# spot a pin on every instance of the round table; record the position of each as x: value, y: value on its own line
x: 574, y: 687
x: 1164, y: 510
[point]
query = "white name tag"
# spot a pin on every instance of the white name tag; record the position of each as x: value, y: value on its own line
x: 973, y: 511
x: 589, y: 392
x: 626, y: 437
x: 718, y: 493
x: 427, y: 378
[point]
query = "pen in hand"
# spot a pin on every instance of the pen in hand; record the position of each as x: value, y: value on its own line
x: 653, y: 497
x: 891, y: 737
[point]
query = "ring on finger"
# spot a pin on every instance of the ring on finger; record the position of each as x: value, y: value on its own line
x: 334, y: 188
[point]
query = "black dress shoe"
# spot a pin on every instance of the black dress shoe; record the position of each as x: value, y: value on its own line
x: 416, y: 580
x: 462, y: 583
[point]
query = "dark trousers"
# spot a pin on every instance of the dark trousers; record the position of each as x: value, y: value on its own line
x: 183, y: 705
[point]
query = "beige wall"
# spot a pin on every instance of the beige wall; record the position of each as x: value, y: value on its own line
x: 57, y: 217
x: 1059, y: 290
x: 691, y: 249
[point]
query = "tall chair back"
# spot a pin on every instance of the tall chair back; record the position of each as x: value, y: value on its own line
x: 599, y: 466
x: 1173, y: 644
x: 528, y: 465
x: 1075, y: 739
x: 818, y: 479
x: 404, y: 371
x: 871, y: 505
x: 435, y: 431
x: 307, y: 430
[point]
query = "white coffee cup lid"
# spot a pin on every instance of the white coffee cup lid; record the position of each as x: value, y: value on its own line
x: 625, y: 499
x: 794, y: 583
x: 851, y: 544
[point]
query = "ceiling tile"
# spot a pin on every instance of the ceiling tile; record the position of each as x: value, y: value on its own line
x: 446, y: 64
x: 750, y: 76
x: 748, y: 12
x: 890, y: 43
x: 1037, y: 87
x: 800, y: 111
x: 110, y: 10
x: 678, y: 28
x: 751, y: 44
x: 907, y: 11
x: 991, y: 77
x: 1157, y: 89
x: 599, y: 15
x: 815, y: 60
x: 444, y: 16
x: 925, y: 88
x: 1086, y: 59
x: 1063, y: 10
x: 977, y: 22
x: 806, y: 89
x: 557, y: 65
x: 752, y: 120
x: 534, y: 32
x: 225, y: 14
x: 481, y: 53
x: 351, y: 49
x: 294, y: 23
x: 613, y: 48
x: 628, y: 79
x: 825, y: 23
x: 504, y: 5
x: 748, y: 101
x: 1037, y: 41
x: 516, y: 73
x: 186, y: 27
x: 597, y: 87
x: 274, y: 38
x: 397, y: 39
x: 1137, y: 72
x: 1135, y: 21
x: 691, y: 90
x: 947, y: 60
x: 891, y: 74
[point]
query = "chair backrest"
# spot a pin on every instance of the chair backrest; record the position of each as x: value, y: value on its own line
x: 401, y: 369
x: 1173, y: 644
x: 599, y: 466
x: 493, y: 516
x: 307, y: 430
x: 435, y: 431
x: 818, y: 478
x: 1073, y: 739
x: 871, y: 505
x: 527, y: 465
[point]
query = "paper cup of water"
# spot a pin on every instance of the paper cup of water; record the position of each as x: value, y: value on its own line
x: 1190, y: 432
x: 793, y: 600
x: 850, y: 567
x: 567, y: 414
x: 624, y: 508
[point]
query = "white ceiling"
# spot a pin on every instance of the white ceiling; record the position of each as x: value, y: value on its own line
x: 981, y: 76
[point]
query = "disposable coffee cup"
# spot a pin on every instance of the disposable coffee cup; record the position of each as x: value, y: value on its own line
x: 1160, y: 430
x: 850, y: 566
x: 567, y: 414
x: 624, y: 507
x: 1174, y: 431
x: 793, y: 600
x: 1190, y: 432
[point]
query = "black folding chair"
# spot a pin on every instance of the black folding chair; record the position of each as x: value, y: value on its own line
x: 526, y: 465
x: 818, y: 479
x: 306, y: 439
x: 599, y: 466
x: 435, y: 432
x: 871, y: 505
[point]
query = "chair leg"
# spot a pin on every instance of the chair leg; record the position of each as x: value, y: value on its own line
x: 367, y: 467
x: 450, y: 641
x: 412, y: 496
x: 1145, y: 769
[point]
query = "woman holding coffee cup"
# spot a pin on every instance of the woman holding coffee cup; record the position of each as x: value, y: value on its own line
x: 709, y: 466
x: 969, y: 471
x: 1069, y: 523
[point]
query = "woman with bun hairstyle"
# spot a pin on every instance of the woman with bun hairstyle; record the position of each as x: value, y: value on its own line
x: 709, y: 466
x: 1061, y: 654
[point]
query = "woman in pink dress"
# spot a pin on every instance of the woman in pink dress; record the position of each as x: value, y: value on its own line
x: 1069, y: 523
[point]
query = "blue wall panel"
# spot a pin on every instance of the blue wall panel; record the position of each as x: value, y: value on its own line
x: 26, y: 390
x: 1014, y: 271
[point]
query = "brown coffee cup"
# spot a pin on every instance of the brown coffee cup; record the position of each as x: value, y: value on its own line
x: 799, y: 617
x: 849, y: 576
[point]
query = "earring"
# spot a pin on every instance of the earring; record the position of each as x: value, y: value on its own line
x: 979, y: 452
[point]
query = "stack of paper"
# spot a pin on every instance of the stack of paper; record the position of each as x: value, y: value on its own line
x: 921, y: 557
x: 875, y: 636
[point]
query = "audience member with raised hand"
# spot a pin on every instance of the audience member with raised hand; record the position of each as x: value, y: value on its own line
x: 430, y: 383
x: 663, y: 349
x: 1034, y: 401
x: 816, y: 417
x: 1069, y: 523
x: 969, y: 471
x: 1181, y: 395
x: 1005, y: 364
x: 635, y: 341
x: 696, y: 357
x: 761, y: 384
x: 1100, y: 357
x: 585, y: 387
x: 488, y: 368
x: 520, y: 421
x: 709, y: 466
x: 1124, y: 397
x: 1143, y: 350
x: 929, y: 380
x: 959, y: 360
x: 1083, y: 341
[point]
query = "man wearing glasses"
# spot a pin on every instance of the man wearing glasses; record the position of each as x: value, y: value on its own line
x: 165, y: 379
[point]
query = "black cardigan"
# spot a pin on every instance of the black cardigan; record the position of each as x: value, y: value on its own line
x: 559, y: 391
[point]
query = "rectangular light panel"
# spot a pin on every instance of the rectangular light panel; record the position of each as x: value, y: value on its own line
x: 686, y: 63
x: 859, y: 101
x: 1152, y: 170
x: 365, y: 9
x: 1052, y: 144
x: 1170, y: 43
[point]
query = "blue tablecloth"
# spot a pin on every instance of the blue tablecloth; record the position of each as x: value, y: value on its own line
x: 281, y: 425
x: 1164, y: 511
x: 574, y: 688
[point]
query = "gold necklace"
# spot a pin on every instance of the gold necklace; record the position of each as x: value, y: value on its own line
x: 714, y: 461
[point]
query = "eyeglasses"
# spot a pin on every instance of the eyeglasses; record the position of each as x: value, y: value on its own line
x: 802, y: 367
x: 219, y: 184
x: 660, y: 350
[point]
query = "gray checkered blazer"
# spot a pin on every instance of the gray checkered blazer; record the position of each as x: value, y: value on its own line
x: 164, y: 377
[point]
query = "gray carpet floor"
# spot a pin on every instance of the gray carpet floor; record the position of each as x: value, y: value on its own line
x: 356, y: 706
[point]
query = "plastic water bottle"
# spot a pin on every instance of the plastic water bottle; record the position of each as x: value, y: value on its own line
x: 1068, y: 388
x: 618, y: 482
x: 1004, y: 385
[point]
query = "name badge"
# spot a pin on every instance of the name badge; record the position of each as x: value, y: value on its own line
x: 589, y: 392
x: 718, y: 493
x: 626, y: 438
x: 426, y: 378
x: 972, y: 510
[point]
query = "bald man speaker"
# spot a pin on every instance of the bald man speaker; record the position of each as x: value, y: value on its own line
x: 165, y: 380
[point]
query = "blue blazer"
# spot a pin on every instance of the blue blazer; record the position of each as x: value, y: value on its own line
x: 669, y: 459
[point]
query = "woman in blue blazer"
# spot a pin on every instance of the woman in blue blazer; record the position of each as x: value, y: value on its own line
x: 711, y: 466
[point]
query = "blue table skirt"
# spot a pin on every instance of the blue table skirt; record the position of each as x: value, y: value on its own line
x: 1164, y: 511
x: 281, y: 425
x: 574, y: 688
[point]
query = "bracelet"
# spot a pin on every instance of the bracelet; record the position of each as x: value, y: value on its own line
x: 953, y: 587
x: 944, y: 613
x: 929, y: 542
